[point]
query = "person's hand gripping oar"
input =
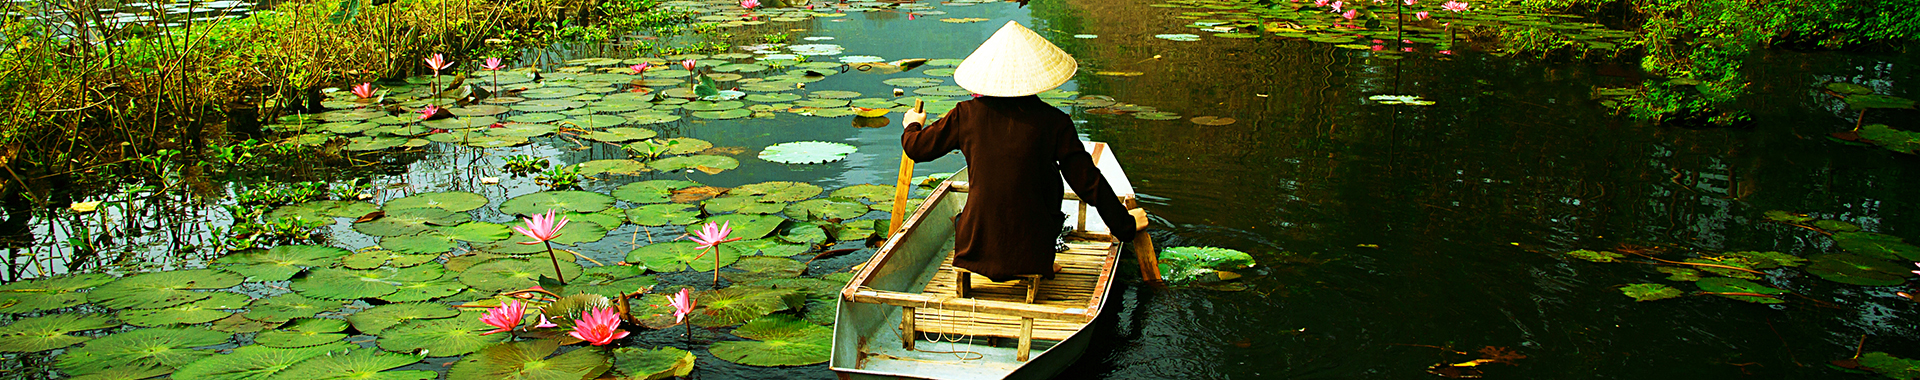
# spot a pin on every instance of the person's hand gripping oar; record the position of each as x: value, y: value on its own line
x: 901, y: 187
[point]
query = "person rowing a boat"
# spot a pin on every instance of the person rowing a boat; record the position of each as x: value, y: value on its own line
x: 1017, y: 148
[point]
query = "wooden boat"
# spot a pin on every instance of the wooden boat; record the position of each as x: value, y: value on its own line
x: 904, y: 315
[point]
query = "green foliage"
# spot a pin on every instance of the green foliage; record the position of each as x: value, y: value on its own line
x: 1596, y: 256
x: 1649, y: 292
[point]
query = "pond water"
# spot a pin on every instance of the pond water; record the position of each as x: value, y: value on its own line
x: 1391, y: 238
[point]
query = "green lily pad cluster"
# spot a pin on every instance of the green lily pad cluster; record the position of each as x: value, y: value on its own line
x: 1357, y: 23
x: 1868, y: 259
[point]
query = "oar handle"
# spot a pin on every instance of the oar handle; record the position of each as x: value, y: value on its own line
x: 901, y: 187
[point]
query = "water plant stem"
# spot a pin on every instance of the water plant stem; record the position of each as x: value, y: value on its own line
x: 556, y: 262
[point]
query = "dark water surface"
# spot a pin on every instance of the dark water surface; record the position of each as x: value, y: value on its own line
x: 1391, y: 238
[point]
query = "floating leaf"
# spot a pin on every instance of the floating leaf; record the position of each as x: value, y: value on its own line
x: 455, y: 201
x: 1849, y: 88
x: 1877, y: 245
x: 252, y: 362
x: 422, y: 291
x: 1188, y: 264
x: 746, y: 204
x: 477, y: 232
x: 612, y: 166
x: 202, y: 311
x: 655, y: 191
x: 610, y: 280
x: 375, y: 257
x: 1835, y: 225
x: 1891, y: 366
x: 736, y: 305
x: 50, y: 331
x: 1768, y: 259
x: 282, y: 262
x: 303, y: 333
x: 343, y: 284
x: 620, y: 134
x: 1680, y: 274
x: 1598, y: 257
x: 286, y: 307
x: 507, y: 274
x: 418, y: 244
x: 1783, y: 216
x: 1734, y: 285
x: 634, y: 363
x: 528, y: 360
x: 443, y: 337
x: 1866, y: 101
x: 568, y: 308
x: 748, y: 226
x: 677, y: 255
x: 764, y: 267
x: 868, y: 192
x: 834, y: 209
x: 780, y: 191
x: 169, y: 347
x: 411, y: 221
x: 779, y: 340
x: 162, y: 289
x: 1650, y: 292
x: 691, y: 162
x: 358, y: 364
x: 48, y: 293
x: 771, y: 247
x: 377, y: 319
x: 563, y: 200
x: 806, y: 152
x: 1857, y: 270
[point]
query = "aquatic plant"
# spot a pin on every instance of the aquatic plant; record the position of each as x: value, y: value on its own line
x: 504, y: 318
x: 1454, y: 6
x: 520, y: 163
x: 749, y: 4
x: 542, y: 229
x: 493, y: 65
x: 598, y: 326
x: 364, y: 90
x: 709, y: 238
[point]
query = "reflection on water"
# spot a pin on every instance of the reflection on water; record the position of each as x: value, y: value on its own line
x: 1392, y: 237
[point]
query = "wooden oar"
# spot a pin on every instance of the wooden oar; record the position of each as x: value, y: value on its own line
x: 901, y: 187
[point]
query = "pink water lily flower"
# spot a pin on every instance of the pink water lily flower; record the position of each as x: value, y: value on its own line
x: 1319, y: 3
x: 1420, y: 15
x: 363, y: 90
x: 1455, y: 6
x: 1350, y: 14
x: 1338, y: 4
x: 505, y: 317
x: 713, y: 234
x: 541, y: 227
x: 437, y: 63
x: 682, y: 305
x: 749, y: 4
x: 491, y: 64
x: 640, y: 68
x: 598, y: 326
x: 429, y: 112
x: 688, y: 64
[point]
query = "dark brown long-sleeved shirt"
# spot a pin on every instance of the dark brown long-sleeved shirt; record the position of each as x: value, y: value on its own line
x: 1017, y: 150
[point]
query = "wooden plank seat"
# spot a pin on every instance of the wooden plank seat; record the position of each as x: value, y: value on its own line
x: 1073, y: 288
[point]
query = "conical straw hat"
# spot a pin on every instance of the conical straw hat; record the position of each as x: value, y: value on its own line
x: 1014, y: 62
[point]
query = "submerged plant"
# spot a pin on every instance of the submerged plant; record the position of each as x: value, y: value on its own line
x: 598, y: 326
x: 520, y: 164
x: 710, y: 238
x: 543, y: 228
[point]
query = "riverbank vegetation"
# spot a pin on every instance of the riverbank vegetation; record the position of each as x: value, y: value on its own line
x: 1694, y: 49
x: 84, y: 98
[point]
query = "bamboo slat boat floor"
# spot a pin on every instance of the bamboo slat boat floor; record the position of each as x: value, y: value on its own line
x: 1074, y: 286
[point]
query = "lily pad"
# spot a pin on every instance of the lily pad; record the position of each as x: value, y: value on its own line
x: 375, y: 320
x: 49, y: 293
x: 455, y: 201
x: 505, y: 274
x: 1767, y: 259
x: 1192, y: 264
x: 1877, y: 245
x: 745, y: 204
x: 1864, y: 101
x: 50, y: 331
x: 696, y: 162
x: 286, y: 307
x: 651, y: 364
x: 610, y: 281
x: 282, y: 262
x: 1835, y: 225
x: 663, y: 214
x: 1650, y: 292
x: 422, y: 291
x: 866, y: 191
x: 403, y: 222
x: 252, y: 362
x: 443, y: 337
x: 764, y: 267
x: 162, y: 289
x: 806, y: 152
x: 1734, y: 285
x: 1596, y: 256
x: 739, y: 304
x: 169, y: 347
x: 612, y: 166
x: 418, y: 244
x: 529, y: 360
x: 677, y: 255
x: 748, y: 227
x: 202, y: 311
x: 771, y: 247
x: 834, y: 209
x: 303, y: 333
x: 655, y: 191
x: 778, y: 340
x: 620, y: 134
x: 343, y: 284
x: 375, y: 257
x: 563, y: 200
x: 780, y: 191
x: 1849, y: 88
x: 477, y: 232
x: 358, y: 364
x: 723, y: 115
x: 1857, y: 270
